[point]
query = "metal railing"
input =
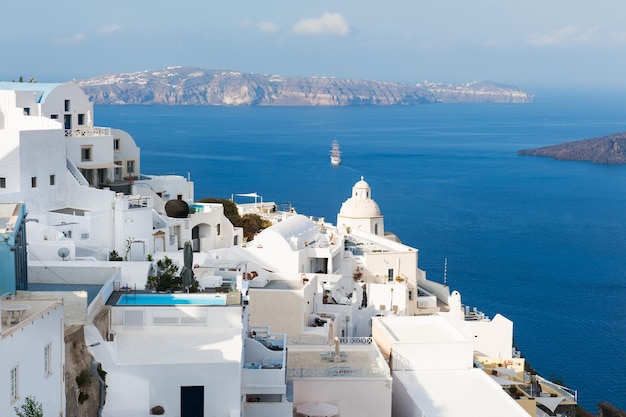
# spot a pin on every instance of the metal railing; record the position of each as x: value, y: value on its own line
x: 94, y: 131
x: 140, y: 202
x: 321, y: 340
x: 336, y: 371
x: 568, y: 393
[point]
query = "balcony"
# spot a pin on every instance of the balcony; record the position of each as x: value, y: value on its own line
x: 93, y: 131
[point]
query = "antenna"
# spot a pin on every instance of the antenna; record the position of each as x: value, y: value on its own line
x: 445, y: 271
x: 63, y: 252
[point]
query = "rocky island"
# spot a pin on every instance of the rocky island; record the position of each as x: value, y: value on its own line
x: 609, y: 149
x: 197, y: 86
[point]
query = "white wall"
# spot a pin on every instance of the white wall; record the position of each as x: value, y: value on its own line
x: 492, y: 338
x: 144, y: 387
x: 24, y: 348
x: 128, y: 150
x: 355, y: 397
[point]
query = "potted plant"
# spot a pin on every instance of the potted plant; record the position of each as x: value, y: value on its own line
x: 114, y: 256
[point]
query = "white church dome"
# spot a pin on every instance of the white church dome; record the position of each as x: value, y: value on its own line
x: 360, y: 205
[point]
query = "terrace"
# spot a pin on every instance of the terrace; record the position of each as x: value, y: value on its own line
x: 18, y: 313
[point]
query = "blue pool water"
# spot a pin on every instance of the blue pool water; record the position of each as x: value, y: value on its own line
x: 172, y: 299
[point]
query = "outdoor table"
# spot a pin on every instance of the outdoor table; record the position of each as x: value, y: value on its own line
x: 15, y: 312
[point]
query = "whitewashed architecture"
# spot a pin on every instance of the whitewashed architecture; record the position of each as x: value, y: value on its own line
x: 31, y: 330
x: 174, y: 357
x: 360, y: 211
x: 433, y: 372
x: 33, y: 354
x: 69, y: 173
x: 366, y: 332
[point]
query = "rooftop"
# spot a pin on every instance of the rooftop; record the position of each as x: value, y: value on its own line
x: 356, y: 359
x: 20, y: 312
x: 421, y: 329
x: 452, y: 393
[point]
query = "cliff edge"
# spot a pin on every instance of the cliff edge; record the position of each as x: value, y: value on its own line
x: 198, y: 86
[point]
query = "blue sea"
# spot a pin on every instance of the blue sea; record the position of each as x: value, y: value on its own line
x: 540, y: 241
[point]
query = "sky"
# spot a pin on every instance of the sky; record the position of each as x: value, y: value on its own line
x: 524, y: 43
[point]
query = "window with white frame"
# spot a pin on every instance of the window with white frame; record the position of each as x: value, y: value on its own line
x: 85, y: 153
x: 130, y: 167
x: 118, y: 171
x: 81, y: 118
x: 14, y: 391
x: 47, y: 359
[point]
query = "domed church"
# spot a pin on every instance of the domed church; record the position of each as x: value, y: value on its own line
x: 361, y: 212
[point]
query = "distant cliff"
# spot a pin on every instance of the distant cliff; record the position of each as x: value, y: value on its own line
x: 604, y: 150
x: 477, y: 92
x: 197, y: 86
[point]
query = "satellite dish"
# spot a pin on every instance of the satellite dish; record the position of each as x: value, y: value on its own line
x: 64, y: 252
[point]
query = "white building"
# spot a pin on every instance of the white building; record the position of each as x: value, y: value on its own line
x: 351, y: 376
x: 296, y: 244
x: 175, y: 357
x: 70, y: 173
x: 433, y: 373
x: 33, y: 354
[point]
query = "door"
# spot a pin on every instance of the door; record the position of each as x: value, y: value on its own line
x: 67, y: 121
x: 192, y: 401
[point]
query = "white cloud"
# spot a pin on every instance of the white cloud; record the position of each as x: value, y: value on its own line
x: 267, y: 27
x: 106, y: 29
x: 74, y: 39
x: 568, y: 35
x: 618, y: 37
x: 328, y: 23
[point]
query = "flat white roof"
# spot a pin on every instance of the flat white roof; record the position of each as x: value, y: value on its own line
x: 178, y: 346
x: 454, y: 393
x: 421, y: 329
x: 8, y: 212
x: 355, y: 356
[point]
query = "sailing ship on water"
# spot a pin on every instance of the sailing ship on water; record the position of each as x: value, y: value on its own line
x: 335, y: 153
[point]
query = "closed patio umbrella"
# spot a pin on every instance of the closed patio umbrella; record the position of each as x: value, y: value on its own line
x: 187, y: 272
x: 317, y: 409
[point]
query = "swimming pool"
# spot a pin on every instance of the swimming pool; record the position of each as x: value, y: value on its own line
x: 172, y: 299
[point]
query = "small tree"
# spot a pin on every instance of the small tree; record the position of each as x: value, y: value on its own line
x: 30, y: 408
x: 166, y: 272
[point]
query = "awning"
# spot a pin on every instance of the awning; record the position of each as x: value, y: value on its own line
x: 508, y: 372
x: 551, y: 402
x: 505, y: 381
x: 99, y: 166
